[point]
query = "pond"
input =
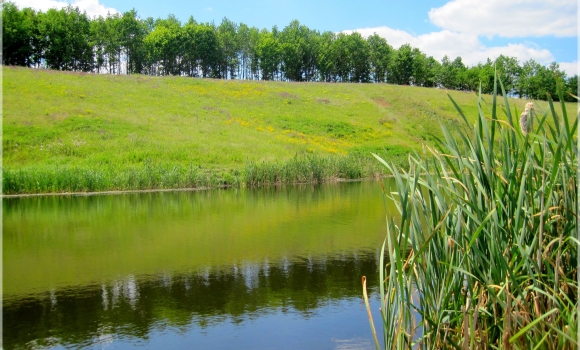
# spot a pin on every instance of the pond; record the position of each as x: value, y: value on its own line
x: 270, y: 268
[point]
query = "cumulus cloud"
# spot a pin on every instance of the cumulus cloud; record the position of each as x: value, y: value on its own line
x: 467, y: 46
x: 520, y: 51
x: 395, y: 37
x: 511, y: 19
x: 91, y: 7
x: 453, y: 44
x: 464, y: 22
x: 571, y: 68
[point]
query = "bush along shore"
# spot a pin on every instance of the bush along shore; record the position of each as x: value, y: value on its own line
x: 300, y: 169
x: 485, y: 254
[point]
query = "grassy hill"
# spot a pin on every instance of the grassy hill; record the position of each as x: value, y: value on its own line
x: 84, y: 132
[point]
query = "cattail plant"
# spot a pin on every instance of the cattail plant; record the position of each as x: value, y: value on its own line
x: 485, y: 254
x: 525, y: 116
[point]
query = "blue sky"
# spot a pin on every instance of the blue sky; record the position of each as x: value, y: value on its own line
x: 544, y: 30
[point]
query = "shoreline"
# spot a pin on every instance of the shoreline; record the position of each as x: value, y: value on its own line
x: 183, y: 189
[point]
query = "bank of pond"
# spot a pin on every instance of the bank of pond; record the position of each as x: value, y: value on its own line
x: 158, y: 175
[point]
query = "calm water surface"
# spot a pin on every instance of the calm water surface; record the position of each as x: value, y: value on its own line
x: 276, y: 268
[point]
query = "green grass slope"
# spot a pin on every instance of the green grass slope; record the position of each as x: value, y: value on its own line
x: 85, y: 132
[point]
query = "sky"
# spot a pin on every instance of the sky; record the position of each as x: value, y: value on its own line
x: 543, y: 30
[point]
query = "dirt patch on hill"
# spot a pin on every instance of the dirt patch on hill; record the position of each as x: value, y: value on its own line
x: 381, y: 102
x: 285, y: 94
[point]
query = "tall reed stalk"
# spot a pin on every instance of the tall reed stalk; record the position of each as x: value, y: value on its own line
x: 485, y: 254
x: 153, y: 175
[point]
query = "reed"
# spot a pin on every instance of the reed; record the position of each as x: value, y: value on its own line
x: 485, y: 254
x: 73, y: 179
x: 311, y: 169
x: 299, y: 169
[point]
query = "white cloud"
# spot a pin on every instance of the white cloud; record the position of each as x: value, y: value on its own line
x: 41, y: 5
x: 395, y: 37
x: 520, y: 51
x: 508, y: 18
x: 454, y: 44
x: 209, y: 8
x: 91, y: 7
x: 463, y: 22
x: 571, y: 68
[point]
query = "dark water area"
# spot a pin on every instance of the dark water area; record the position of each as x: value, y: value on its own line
x: 276, y: 268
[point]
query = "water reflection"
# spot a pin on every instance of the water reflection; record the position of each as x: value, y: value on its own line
x: 136, y: 307
x: 273, y: 268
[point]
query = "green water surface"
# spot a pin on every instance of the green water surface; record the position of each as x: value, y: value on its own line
x: 187, y: 268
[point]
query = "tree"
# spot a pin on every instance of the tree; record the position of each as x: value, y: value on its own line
x: 340, y: 60
x: 487, y: 76
x: 242, y: 36
x: 229, y: 48
x: 525, y: 88
x: 299, y: 52
x: 452, y: 74
x: 132, y: 35
x: 17, y: 29
x: 537, y: 81
x: 248, y: 62
x: 268, y: 54
x: 207, y: 45
x: 459, y: 69
x: 554, y: 80
x: 380, y: 53
x: 432, y: 67
x: 164, y: 47
x: 358, y: 58
x: 65, y: 35
x: 571, y: 88
x: 188, y: 52
x: 420, y: 73
x: 508, y: 70
x: 326, y: 58
x: 402, y: 66
x: 98, y: 30
x: 472, y: 78
x: 112, y: 43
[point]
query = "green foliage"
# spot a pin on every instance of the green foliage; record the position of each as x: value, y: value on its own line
x: 402, y: 66
x: 268, y: 52
x: 163, y: 47
x: 17, y: 31
x: 228, y: 47
x: 310, y: 169
x: 298, y: 52
x: 380, y: 57
x: 132, y: 34
x: 452, y: 74
x: 486, y: 252
x: 201, y: 50
x: 64, y: 36
x: 351, y: 58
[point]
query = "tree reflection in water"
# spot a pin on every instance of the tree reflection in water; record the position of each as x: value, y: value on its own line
x: 133, y: 307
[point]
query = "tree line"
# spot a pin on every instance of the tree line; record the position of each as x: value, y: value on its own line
x: 68, y: 39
